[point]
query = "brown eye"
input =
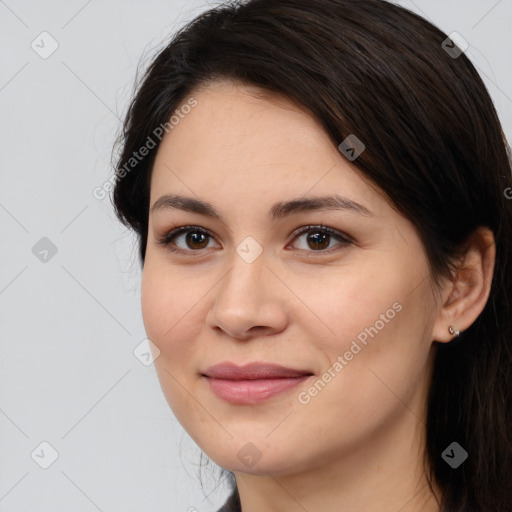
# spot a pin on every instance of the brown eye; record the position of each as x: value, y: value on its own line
x: 196, y: 240
x: 319, y: 238
x: 191, y: 238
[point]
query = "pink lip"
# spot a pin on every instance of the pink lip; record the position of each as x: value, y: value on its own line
x: 253, y: 382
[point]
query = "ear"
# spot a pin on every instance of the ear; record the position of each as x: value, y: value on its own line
x: 463, y: 297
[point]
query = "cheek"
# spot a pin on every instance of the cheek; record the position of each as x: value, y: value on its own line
x: 359, y: 309
x: 376, y: 331
x: 169, y: 319
x: 169, y: 310
x: 156, y: 313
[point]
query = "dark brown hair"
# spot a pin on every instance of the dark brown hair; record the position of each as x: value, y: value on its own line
x: 434, y: 146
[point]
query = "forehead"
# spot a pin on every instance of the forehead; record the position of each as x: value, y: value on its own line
x: 242, y: 140
x: 232, y: 119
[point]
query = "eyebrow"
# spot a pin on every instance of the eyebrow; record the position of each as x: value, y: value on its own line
x: 278, y: 211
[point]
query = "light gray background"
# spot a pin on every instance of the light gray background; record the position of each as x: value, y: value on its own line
x: 68, y: 326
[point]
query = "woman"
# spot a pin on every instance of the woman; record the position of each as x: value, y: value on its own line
x: 321, y: 191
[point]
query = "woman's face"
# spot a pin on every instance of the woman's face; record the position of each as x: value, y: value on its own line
x: 351, y: 311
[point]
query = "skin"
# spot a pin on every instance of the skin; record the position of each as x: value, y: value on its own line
x: 357, y: 444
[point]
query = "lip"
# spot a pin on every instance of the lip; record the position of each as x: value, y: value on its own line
x: 252, y: 383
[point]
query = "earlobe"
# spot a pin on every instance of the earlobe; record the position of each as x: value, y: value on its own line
x: 465, y: 297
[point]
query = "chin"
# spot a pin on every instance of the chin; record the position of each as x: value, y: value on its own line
x: 248, y: 459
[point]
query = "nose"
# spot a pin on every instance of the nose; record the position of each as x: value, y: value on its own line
x: 249, y: 301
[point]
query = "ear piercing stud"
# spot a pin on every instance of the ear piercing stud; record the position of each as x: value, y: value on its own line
x: 453, y: 332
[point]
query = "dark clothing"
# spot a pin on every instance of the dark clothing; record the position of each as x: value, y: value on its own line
x: 232, y: 504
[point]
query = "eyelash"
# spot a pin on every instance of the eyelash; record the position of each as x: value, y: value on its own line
x: 166, y: 239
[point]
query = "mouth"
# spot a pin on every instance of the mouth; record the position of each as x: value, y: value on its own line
x: 252, y: 383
